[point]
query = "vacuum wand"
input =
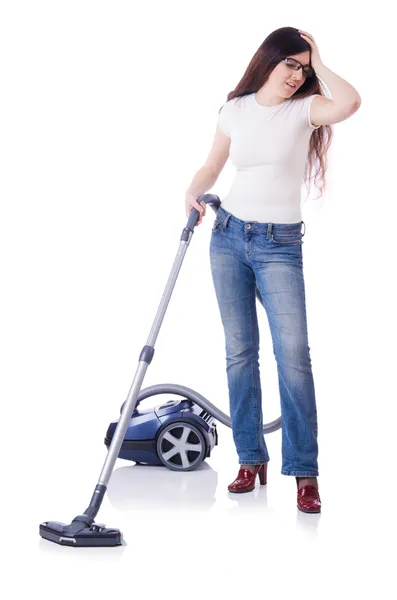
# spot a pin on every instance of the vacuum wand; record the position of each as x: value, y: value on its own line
x: 83, y: 531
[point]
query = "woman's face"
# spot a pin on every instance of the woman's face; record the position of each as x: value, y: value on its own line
x: 282, y: 75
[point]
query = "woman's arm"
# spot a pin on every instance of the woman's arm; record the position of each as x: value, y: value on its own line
x: 345, y: 98
x: 344, y: 103
x: 343, y: 93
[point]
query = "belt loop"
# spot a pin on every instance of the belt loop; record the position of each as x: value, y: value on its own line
x: 304, y: 230
x: 227, y: 219
x: 269, y: 230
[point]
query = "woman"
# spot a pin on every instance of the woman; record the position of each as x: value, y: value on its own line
x: 275, y: 122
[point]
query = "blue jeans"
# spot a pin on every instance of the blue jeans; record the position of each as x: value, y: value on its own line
x: 244, y: 255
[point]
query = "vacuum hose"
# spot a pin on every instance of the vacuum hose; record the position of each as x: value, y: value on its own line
x: 180, y: 390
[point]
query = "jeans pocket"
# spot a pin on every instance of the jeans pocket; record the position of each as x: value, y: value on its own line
x: 286, y: 237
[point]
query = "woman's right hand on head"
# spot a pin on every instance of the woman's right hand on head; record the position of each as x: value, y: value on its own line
x: 191, y: 202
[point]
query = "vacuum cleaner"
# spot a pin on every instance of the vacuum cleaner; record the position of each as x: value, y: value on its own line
x: 178, y: 434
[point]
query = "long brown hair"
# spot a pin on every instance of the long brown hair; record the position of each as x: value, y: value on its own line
x: 279, y: 44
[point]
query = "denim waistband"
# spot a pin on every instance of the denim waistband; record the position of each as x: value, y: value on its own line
x: 229, y: 220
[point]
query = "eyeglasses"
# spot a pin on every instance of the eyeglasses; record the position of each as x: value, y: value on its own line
x: 307, y: 70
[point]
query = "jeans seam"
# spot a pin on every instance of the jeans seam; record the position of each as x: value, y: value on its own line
x: 300, y: 473
x: 248, y: 462
x: 252, y: 367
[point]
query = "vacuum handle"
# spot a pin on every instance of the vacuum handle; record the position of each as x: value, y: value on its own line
x: 211, y: 199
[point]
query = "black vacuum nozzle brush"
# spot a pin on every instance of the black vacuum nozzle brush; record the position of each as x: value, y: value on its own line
x: 82, y: 531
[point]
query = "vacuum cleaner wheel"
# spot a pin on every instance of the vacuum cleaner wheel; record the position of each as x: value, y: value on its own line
x: 181, y: 446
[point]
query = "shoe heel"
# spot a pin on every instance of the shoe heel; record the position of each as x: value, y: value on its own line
x: 263, y: 474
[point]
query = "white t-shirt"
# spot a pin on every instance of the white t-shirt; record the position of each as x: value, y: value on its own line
x: 269, y: 148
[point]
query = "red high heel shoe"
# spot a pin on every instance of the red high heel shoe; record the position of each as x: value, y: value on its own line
x: 308, y: 499
x: 245, y: 480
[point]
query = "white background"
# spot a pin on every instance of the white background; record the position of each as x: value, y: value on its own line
x: 107, y: 111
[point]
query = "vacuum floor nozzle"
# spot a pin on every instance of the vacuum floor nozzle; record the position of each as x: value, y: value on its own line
x: 81, y: 532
